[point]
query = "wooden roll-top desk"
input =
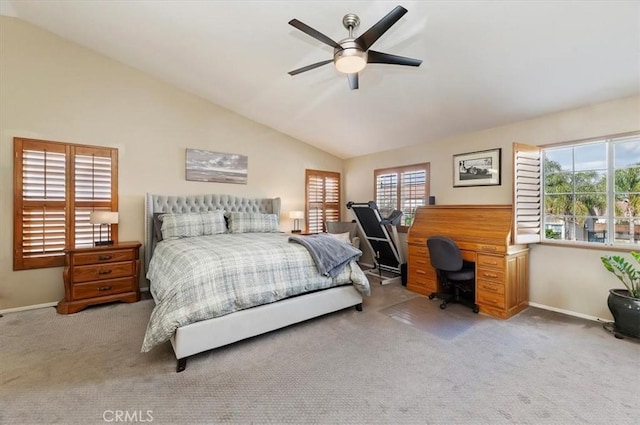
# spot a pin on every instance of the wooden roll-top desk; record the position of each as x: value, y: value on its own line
x: 483, y: 234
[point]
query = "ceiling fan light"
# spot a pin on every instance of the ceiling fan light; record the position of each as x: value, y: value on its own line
x: 350, y: 61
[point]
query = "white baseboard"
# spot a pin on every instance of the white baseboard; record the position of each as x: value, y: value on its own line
x: 569, y: 312
x: 28, y: 307
x: 45, y: 305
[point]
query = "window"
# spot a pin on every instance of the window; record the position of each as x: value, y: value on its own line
x: 402, y: 188
x: 322, y: 199
x: 56, y: 187
x: 589, y: 190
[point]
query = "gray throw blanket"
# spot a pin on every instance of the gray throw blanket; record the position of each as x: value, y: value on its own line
x: 330, y: 254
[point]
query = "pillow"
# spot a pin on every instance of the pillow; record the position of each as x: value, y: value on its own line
x: 342, y: 237
x: 252, y: 223
x: 192, y: 224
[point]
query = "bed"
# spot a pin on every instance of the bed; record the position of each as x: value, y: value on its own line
x: 172, y: 265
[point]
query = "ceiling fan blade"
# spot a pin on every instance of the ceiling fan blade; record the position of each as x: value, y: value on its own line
x: 314, y: 33
x: 353, y: 81
x: 309, y: 67
x: 367, y: 39
x: 379, y: 57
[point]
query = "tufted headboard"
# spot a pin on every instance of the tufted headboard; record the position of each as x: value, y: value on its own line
x: 199, y: 203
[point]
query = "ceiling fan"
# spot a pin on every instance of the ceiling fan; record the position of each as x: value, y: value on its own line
x: 351, y: 55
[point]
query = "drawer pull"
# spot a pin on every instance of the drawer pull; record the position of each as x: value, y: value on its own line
x: 104, y: 257
x: 493, y: 263
x: 488, y: 248
x: 421, y: 271
x: 104, y: 288
x: 485, y: 274
x: 489, y: 288
x: 104, y: 271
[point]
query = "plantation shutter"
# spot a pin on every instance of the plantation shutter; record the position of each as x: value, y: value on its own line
x: 387, y: 192
x: 40, y: 225
x: 56, y: 186
x: 402, y: 188
x: 93, y: 186
x: 322, y: 199
x: 526, y: 194
x: 413, y: 192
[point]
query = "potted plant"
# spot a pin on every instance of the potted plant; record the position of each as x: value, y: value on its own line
x: 624, y: 303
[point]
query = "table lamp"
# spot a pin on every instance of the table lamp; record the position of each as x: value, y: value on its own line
x: 104, y: 218
x: 296, y: 216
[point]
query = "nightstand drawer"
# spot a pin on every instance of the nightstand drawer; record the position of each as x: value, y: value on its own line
x: 102, y: 288
x: 104, y: 271
x: 113, y: 256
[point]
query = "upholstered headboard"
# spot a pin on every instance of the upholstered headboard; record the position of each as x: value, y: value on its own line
x: 199, y: 203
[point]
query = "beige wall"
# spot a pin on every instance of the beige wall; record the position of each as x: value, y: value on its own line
x: 562, y: 278
x: 55, y: 90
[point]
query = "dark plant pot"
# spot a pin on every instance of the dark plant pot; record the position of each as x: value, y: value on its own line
x: 625, y: 311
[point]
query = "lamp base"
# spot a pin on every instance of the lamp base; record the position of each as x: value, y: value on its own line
x: 102, y: 243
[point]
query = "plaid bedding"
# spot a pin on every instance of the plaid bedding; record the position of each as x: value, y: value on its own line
x: 194, y: 279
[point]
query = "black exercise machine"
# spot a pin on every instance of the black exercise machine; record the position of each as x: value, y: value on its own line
x: 381, y: 235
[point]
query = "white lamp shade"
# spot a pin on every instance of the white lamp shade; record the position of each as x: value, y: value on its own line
x: 296, y: 214
x: 103, y: 217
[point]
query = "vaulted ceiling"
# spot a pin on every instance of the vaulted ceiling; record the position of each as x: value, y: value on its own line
x: 485, y: 63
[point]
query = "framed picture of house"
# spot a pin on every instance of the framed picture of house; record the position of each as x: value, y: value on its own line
x: 482, y: 168
x: 206, y: 166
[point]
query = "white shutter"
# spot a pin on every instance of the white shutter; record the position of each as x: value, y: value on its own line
x: 527, y: 194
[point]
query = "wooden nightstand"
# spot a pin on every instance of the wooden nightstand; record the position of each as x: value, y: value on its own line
x: 99, y: 275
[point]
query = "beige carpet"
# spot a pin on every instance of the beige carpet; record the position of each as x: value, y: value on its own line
x: 401, y: 360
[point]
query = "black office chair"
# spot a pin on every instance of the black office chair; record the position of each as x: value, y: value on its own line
x: 453, y: 273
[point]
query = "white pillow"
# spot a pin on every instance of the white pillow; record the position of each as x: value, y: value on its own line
x: 343, y: 237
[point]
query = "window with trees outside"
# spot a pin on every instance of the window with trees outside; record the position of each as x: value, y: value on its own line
x: 591, y: 191
x: 402, y: 188
x: 322, y: 199
x: 56, y: 187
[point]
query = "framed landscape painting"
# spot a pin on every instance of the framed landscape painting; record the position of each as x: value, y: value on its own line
x: 480, y: 168
x: 205, y: 166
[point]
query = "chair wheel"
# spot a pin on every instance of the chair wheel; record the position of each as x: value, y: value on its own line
x: 431, y: 296
x: 443, y: 306
x: 476, y: 309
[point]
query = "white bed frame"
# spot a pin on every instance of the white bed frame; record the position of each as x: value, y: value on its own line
x: 213, y: 333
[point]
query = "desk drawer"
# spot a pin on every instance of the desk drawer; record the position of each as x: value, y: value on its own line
x: 421, y: 284
x: 490, y: 287
x: 418, y: 251
x: 491, y: 299
x: 102, y: 271
x: 420, y: 263
x: 493, y: 261
x: 494, y: 275
x: 80, y: 259
x: 102, y: 288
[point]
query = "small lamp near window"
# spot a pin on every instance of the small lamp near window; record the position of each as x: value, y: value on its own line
x: 104, y: 218
x: 296, y: 216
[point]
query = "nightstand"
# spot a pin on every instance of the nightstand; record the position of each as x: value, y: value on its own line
x: 99, y: 275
